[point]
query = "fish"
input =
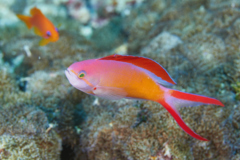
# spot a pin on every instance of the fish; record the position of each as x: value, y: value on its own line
x: 42, y: 26
x: 125, y: 76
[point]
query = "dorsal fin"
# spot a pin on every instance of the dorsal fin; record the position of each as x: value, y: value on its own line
x: 143, y: 62
x: 35, y: 10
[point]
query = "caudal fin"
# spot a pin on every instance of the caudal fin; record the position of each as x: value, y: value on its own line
x: 174, y: 99
x: 26, y: 20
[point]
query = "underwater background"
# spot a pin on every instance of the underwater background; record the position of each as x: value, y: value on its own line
x: 42, y: 117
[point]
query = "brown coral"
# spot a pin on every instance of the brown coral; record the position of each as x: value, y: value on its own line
x: 23, y: 134
x: 20, y: 146
x: 114, y: 134
x: 23, y: 126
x: 10, y: 93
x: 54, y: 95
x: 205, y: 51
x: 139, y: 31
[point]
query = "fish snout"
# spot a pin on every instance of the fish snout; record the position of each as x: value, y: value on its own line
x: 68, y: 74
x: 72, y: 78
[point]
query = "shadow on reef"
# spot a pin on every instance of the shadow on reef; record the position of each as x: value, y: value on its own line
x: 67, y: 153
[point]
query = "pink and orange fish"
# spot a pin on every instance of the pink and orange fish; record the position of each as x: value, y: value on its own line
x: 117, y: 76
x: 42, y: 26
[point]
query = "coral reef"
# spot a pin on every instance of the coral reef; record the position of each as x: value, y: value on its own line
x: 20, y: 146
x: 199, y: 60
x: 43, y: 117
x: 51, y: 58
x: 108, y: 37
x: 23, y: 126
x: 10, y: 93
x: 137, y: 35
x: 79, y: 11
x: 54, y: 95
x: 115, y: 134
x: 237, y: 90
x: 205, y: 51
x: 7, y: 16
x: 23, y: 134
x: 161, y: 44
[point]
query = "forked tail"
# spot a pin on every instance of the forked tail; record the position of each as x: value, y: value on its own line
x: 26, y: 20
x: 174, y: 99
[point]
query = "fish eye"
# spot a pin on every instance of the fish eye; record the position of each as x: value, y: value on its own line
x: 48, y: 33
x: 81, y: 74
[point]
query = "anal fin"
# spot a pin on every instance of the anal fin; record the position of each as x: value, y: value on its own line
x: 44, y: 42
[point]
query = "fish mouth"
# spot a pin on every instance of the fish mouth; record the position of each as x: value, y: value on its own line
x: 72, y: 78
x: 68, y: 74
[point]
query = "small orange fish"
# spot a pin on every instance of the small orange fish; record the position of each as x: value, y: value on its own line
x: 42, y: 26
x: 117, y: 76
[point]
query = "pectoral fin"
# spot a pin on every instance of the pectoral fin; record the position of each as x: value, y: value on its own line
x: 112, y: 93
x: 37, y: 31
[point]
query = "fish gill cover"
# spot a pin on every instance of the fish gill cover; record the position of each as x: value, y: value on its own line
x: 43, y: 117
